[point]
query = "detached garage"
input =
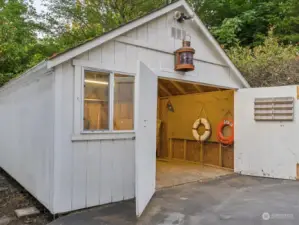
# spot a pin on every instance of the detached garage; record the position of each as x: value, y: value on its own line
x: 133, y: 111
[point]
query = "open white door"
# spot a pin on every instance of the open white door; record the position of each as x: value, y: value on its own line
x: 145, y: 143
x: 266, y: 130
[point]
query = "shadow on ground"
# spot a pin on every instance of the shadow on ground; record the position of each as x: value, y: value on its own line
x: 234, y: 200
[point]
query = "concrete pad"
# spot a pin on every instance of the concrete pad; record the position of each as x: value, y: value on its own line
x: 26, y: 211
x: 234, y: 200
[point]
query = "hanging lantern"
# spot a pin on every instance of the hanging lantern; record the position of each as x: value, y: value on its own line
x: 184, y: 57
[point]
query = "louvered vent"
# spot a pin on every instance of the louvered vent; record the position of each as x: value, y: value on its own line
x: 177, y: 33
x: 274, y: 109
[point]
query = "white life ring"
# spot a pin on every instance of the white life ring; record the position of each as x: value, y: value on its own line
x: 207, y: 132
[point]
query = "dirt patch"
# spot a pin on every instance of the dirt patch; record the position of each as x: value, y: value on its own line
x: 13, y: 196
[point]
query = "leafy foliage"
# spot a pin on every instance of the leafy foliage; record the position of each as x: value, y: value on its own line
x: 19, y: 45
x: 79, y: 21
x: 247, y: 22
x: 269, y: 64
x: 27, y: 38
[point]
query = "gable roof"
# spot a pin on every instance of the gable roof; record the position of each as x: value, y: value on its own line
x: 73, y: 52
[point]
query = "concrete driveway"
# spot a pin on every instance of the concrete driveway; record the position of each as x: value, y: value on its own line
x: 234, y: 200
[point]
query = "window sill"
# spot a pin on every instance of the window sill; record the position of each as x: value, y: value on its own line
x: 104, y: 136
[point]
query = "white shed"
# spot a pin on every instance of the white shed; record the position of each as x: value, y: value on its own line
x: 112, y: 120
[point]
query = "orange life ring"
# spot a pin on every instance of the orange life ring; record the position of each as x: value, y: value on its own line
x: 225, y: 140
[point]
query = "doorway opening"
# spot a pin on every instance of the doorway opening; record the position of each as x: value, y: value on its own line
x: 180, y: 158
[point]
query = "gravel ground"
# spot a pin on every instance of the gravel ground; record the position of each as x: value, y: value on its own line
x: 12, y: 197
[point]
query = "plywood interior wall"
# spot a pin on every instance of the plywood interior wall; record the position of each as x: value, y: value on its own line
x: 123, y: 106
x: 176, y: 128
x: 96, y: 111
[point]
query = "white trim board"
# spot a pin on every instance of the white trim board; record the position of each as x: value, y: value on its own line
x: 169, y: 74
x: 161, y: 72
x: 139, y: 43
x: 105, y: 136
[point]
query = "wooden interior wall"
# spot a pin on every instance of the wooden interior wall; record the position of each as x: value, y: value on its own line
x: 123, y: 116
x: 96, y: 110
x: 163, y: 116
x: 176, y: 129
x: 123, y: 103
x: 96, y: 115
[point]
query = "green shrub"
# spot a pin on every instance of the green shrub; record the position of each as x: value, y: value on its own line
x: 269, y: 64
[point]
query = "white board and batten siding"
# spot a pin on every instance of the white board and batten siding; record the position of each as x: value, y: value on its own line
x: 94, y: 172
x: 153, y: 44
x: 265, y: 148
x: 87, y: 172
x: 101, y: 173
x: 26, y: 134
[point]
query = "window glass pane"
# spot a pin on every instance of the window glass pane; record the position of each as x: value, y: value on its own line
x: 123, y: 102
x: 96, y: 101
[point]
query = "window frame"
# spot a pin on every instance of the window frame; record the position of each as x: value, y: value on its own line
x: 111, y: 101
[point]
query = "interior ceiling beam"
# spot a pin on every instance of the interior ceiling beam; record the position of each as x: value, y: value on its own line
x: 198, y: 88
x: 179, y: 87
x: 161, y: 86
